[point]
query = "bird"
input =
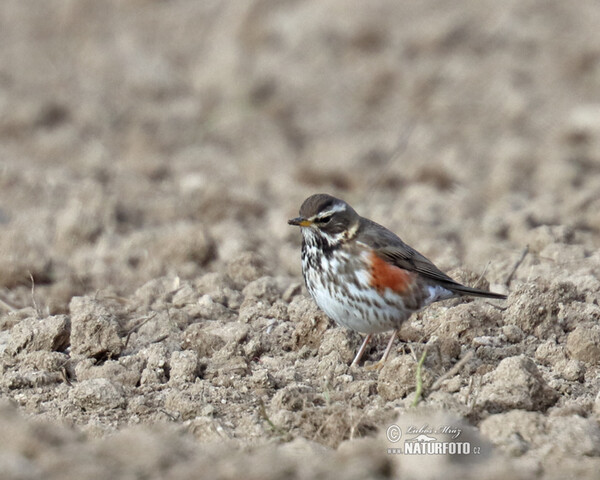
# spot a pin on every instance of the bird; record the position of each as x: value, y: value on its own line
x: 363, y: 276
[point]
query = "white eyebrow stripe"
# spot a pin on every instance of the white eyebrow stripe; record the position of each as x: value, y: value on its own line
x: 338, y: 207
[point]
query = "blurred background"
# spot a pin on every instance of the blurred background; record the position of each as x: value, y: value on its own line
x: 141, y: 138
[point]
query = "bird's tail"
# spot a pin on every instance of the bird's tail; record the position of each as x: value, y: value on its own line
x: 476, y: 292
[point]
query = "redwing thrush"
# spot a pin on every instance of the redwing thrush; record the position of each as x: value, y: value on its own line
x: 362, y: 275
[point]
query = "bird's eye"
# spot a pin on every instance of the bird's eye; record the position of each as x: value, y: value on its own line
x: 325, y: 219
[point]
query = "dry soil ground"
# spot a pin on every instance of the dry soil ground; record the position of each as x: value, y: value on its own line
x: 150, y: 155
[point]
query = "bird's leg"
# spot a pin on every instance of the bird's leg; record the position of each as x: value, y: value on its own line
x: 388, y: 349
x: 361, y: 351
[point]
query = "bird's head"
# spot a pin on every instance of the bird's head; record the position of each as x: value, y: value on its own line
x: 328, y: 218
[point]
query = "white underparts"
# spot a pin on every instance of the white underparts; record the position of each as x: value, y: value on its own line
x: 358, y: 305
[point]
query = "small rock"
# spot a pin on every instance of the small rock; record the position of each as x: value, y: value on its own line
x: 576, y: 314
x: 205, y: 344
x: 360, y: 392
x: 579, y: 436
x: 486, y: 341
x: 206, y: 308
x: 97, y: 393
x: 157, y: 357
x: 42, y: 360
x: 581, y: 406
x: 185, y: 294
x: 261, y: 379
x: 94, y: 330
x: 513, y: 333
x: 157, y: 289
x: 514, y: 431
x: 572, y: 370
x: 338, y: 340
x: 453, y: 384
x: 583, y: 344
x: 220, y: 288
x: 291, y: 397
x: 515, y: 383
x: 184, y: 367
x: 230, y: 332
x: 185, y: 404
x: 534, y: 307
x: 162, y: 326
x: 33, y: 334
x: 253, y: 349
x: 331, y: 365
x: 10, y: 319
x: 253, y: 309
x: 518, y: 431
x: 31, y: 379
x: 265, y: 288
x: 291, y: 291
x: 466, y: 321
x: 227, y: 367
x: 308, y: 321
x: 126, y: 370
x: 449, y: 347
x: 549, y: 352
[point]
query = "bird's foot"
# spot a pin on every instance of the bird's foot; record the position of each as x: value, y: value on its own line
x: 376, y: 366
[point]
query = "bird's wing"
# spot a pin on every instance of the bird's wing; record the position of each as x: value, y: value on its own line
x: 409, y: 259
x: 392, y: 249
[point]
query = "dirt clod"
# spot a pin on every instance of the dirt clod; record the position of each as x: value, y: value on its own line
x: 35, y: 334
x: 583, y: 344
x: 94, y: 329
x: 516, y: 383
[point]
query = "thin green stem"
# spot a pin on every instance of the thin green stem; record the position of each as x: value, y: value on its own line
x: 419, y: 389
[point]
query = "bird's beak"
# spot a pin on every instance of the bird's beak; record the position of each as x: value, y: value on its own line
x: 300, y: 222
